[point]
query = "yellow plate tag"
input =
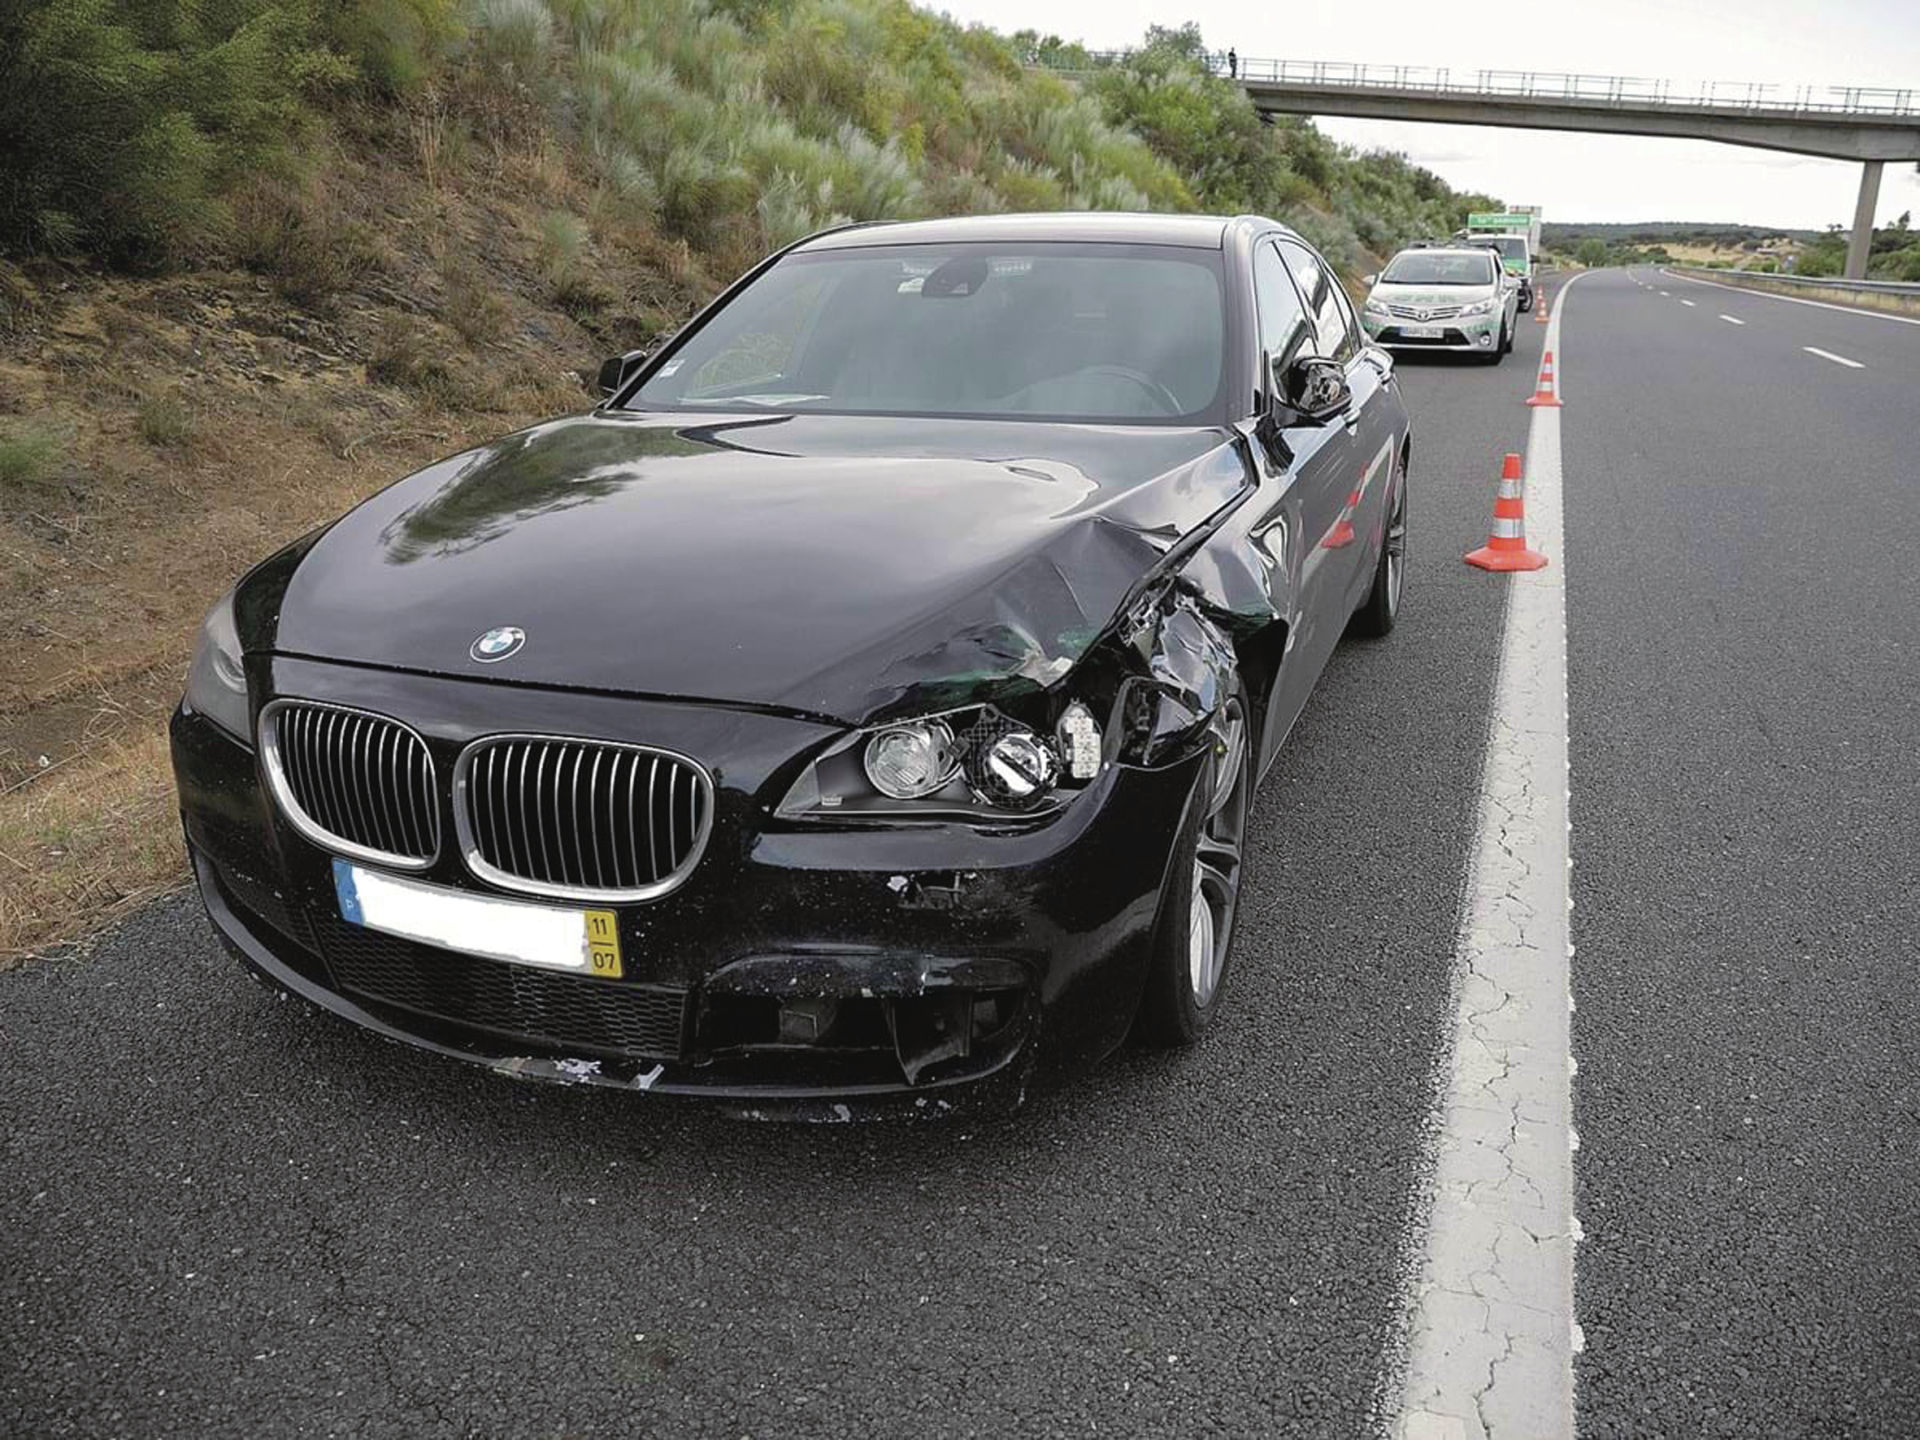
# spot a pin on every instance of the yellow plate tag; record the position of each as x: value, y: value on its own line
x: 603, y: 944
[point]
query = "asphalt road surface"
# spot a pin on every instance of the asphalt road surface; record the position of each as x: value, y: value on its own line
x: 223, y: 1215
x: 1743, y: 520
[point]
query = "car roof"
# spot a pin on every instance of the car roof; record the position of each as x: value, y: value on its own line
x: 1199, y: 232
x: 1469, y: 249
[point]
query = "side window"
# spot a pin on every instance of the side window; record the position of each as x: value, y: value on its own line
x: 1346, y: 309
x: 1331, y: 319
x: 1285, y: 331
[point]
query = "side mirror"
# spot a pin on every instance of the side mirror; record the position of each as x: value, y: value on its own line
x: 616, y: 370
x: 1312, y: 391
x: 1370, y: 280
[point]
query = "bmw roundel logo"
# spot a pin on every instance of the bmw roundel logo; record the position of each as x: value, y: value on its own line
x: 497, y: 644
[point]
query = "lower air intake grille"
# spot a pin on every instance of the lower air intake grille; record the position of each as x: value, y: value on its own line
x: 583, y: 819
x: 564, y: 1011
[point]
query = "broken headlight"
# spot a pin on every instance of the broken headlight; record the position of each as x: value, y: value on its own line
x: 979, y: 762
x: 906, y: 762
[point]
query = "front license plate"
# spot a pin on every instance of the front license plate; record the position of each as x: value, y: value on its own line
x: 1421, y: 332
x: 550, y: 936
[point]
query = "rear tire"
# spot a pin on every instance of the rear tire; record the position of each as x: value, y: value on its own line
x: 1375, y: 618
x: 1193, y: 933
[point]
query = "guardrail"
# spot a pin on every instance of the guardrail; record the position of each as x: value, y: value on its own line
x: 1823, y: 282
x: 1739, y: 96
x: 1896, y: 297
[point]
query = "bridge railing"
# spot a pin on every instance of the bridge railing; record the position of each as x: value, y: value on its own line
x: 1733, y: 95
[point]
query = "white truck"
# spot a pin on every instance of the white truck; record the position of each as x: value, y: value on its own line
x: 1515, y: 232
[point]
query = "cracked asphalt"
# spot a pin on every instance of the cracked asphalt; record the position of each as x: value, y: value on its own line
x: 226, y: 1216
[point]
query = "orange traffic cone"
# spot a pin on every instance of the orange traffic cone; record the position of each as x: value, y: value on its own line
x: 1506, y: 548
x: 1540, y: 304
x: 1543, y: 391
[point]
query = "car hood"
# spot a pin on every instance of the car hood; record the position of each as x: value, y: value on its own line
x: 1432, y: 297
x: 844, y: 567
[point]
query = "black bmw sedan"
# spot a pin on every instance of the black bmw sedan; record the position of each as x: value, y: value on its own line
x: 859, y: 709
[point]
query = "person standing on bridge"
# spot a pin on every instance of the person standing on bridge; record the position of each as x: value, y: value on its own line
x: 1233, y: 64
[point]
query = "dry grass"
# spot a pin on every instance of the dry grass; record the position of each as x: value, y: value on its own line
x: 27, y: 456
x: 84, y: 843
x: 165, y: 421
x: 300, y: 236
x: 124, y: 514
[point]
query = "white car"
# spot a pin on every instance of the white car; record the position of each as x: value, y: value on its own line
x: 1458, y: 299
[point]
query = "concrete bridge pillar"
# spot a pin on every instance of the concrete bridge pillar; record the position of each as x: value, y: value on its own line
x: 1861, y: 241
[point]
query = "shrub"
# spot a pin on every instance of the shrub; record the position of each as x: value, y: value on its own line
x: 563, y: 247
x: 408, y: 355
x: 512, y: 40
x: 125, y: 123
x: 296, y: 235
x: 28, y: 454
x: 391, y: 44
x: 475, y: 309
x: 162, y: 420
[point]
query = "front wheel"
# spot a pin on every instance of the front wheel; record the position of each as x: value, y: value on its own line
x: 1376, y: 616
x: 1499, y: 351
x: 1193, y: 934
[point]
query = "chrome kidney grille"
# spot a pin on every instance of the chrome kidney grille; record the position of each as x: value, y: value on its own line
x: 580, y: 819
x: 351, y: 781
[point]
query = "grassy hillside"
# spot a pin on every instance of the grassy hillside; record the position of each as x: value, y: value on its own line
x: 258, y: 257
x: 137, y: 130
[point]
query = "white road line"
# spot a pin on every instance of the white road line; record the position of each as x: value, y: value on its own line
x: 1687, y: 303
x: 1664, y: 293
x: 1796, y: 299
x: 1490, y: 1330
x: 1829, y: 355
x: 1732, y: 321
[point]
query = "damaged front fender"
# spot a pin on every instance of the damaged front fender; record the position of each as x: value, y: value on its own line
x: 1191, y: 670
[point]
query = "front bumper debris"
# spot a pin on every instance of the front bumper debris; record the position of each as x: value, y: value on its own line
x: 799, y: 971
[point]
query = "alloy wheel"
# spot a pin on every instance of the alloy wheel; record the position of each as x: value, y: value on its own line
x: 1397, y: 547
x: 1216, y: 859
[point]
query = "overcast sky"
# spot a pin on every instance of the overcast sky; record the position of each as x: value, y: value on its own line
x: 1575, y: 176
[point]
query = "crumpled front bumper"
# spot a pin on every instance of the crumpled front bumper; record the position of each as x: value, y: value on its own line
x: 951, y: 961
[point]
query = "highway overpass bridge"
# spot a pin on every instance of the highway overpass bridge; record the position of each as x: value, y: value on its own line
x: 1859, y: 123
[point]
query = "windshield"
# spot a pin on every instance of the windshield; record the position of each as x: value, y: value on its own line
x: 1514, y: 247
x: 1438, y: 267
x: 1035, y: 331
